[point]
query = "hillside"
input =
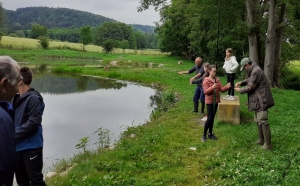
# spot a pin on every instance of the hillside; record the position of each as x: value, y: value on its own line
x: 22, y: 18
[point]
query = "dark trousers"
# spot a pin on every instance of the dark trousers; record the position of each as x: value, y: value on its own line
x: 230, y: 79
x: 199, y: 94
x: 29, y: 165
x: 211, y: 112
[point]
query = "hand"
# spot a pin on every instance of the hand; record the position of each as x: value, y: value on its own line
x: 228, y: 85
x: 214, y: 86
x: 180, y: 73
x: 237, y: 84
x: 238, y: 90
x: 192, y: 79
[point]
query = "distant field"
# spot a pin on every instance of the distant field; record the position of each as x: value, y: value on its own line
x: 25, y: 43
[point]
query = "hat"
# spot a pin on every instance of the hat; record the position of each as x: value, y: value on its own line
x: 244, y: 62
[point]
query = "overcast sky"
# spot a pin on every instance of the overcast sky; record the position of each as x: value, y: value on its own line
x: 119, y: 10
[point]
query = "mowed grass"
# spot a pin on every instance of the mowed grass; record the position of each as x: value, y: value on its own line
x: 27, y: 43
x: 159, y: 153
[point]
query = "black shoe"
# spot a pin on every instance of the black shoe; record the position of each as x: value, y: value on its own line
x: 195, y: 111
x: 203, y: 139
x: 212, y: 136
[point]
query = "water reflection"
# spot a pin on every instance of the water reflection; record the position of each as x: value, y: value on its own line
x: 77, y: 106
x: 54, y: 84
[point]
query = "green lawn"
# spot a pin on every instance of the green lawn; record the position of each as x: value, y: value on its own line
x: 159, y: 153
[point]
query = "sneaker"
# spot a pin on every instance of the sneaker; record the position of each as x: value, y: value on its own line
x: 212, y: 136
x: 204, y: 118
x: 203, y: 139
x: 231, y: 98
x: 225, y: 97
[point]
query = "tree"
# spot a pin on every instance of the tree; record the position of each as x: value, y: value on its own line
x: 271, y: 27
x: 124, y: 45
x: 109, y: 45
x: 37, y: 31
x: 85, y: 36
x: 114, y: 31
x: 44, y: 42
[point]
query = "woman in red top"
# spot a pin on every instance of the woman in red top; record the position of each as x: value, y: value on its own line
x: 210, y: 85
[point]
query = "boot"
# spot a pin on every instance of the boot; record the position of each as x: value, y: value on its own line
x: 196, y: 104
x: 260, y: 140
x: 202, y: 107
x: 267, y: 137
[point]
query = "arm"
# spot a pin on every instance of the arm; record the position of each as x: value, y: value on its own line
x: 197, y: 81
x: 224, y: 88
x: 187, y: 71
x: 197, y: 75
x: 35, y: 107
x: 235, y: 63
x: 252, y: 83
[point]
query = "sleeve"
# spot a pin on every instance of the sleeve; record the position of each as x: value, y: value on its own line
x: 235, y: 63
x: 252, y: 83
x: 197, y: 81
x: 35, y: 112
x: 222, y: 89
x: 192, y: 70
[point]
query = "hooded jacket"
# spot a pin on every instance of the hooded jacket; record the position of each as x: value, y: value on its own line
x: 29, y: 109
x: 231, y: 65
x: 7, y: 144
x: 259, y: 93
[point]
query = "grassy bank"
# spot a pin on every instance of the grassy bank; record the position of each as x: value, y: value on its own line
x: 158, y: 153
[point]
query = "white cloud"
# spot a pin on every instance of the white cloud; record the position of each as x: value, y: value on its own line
x: 120, y: 10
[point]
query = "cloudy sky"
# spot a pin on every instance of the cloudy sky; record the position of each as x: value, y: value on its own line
x: 120, y: 10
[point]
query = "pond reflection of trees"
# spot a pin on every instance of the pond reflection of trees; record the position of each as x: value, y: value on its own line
x: 64, y: 84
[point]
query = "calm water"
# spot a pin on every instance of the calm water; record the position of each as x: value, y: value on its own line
x: 77, y: 106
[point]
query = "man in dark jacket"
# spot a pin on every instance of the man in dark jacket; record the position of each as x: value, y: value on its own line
x: 260, y: 99
x: 198, y: 68
x: 29, y: 108
x: 9, y: 80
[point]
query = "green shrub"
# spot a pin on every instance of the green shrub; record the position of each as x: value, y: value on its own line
x: 109, y: 45
x: 289, y: 79
x: 13, y: 35
x: 44, y: 42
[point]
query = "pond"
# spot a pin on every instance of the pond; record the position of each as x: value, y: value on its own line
x: 76, y: 106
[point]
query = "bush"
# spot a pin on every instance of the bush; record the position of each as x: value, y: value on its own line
x: 44, y: 42
x: 109, y: 45
x: 289, y: 79
x: 13, y: 35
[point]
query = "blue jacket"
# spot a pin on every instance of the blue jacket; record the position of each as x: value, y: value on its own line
x: 198, y: 69
x: 7, y: 144
x: 29, y: 110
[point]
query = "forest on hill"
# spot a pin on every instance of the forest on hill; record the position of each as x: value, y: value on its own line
x: 23, y: 18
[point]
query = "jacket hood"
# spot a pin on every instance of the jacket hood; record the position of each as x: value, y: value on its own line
x: 30, y: 92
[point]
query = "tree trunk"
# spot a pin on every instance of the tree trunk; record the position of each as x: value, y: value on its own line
x: 278, y: 45
x: 270, y: 43
x: 252, y: 19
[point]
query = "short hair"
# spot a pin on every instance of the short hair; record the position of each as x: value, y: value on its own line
x: 8, y: 69
x: 26, y: 73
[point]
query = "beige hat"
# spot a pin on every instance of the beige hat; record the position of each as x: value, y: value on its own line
x: 244, y: 62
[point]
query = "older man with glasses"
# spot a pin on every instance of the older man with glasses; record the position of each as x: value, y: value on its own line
x: 260, y: 99
x: 9, y: 80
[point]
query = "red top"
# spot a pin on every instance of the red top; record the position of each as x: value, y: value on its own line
x: 209, y: 91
